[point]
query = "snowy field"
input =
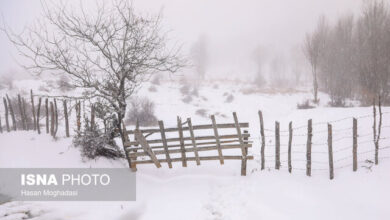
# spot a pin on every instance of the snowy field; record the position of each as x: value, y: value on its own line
x: 212, y: 191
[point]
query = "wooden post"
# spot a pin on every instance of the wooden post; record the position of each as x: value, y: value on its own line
x: 221, y: 160
x: 164, y: 142
x: 330, y: 152
x: 78, y: 115
x: 52, y: 124
x: 132, y: 165
x: 1, y: 126
x: 244, y: 156
x: 39, y: 115
x: 92, y: 117
x: 193, y: 141
x: 6, y: 114
x: 374, y: 130
x: 11, y: 110
x: 277, y: 145
x: 33, y: 111
x: 354, y: 148
x: 47, y: 115
x: 262, y: 151
x: 24, y: 114
x: 66, y: 118
x: 379, y: 132
x: 308, y: 147
x: 56, y: 117
x: 21, y: 112
x: 290, y: 135
x: 183, y: 151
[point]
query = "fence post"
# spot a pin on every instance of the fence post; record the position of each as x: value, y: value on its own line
x: 290, y: 135
x: 262, y: 152
x: 33, y: 111
x: 244, y: 158
x: 308, y: 147
x: 24, y: 113
x: 11, y: 110
x: 21, y: 112
x: 47, y: 115
x: 66, y: 118
x: 354, y: 150
x: 330, y: 152
x: 52, y: 119
x: 38, y: 115
x: 92, y: 117
x: 56, y: 117
x: 215, y: 128
x: 182, y: 148
x: 277, y: 145
x: 78, y: 115
x: 6, y: 114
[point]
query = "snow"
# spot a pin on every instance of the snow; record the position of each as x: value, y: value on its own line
x: 212, y: 191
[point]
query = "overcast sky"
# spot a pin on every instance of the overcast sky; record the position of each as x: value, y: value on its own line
x: 233, y: 28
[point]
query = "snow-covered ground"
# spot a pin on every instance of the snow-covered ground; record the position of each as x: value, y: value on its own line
x: 212, y: 191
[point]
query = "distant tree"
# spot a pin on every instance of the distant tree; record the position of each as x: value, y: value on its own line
x: 108, y: 52
x: 200, y: 56
x: 373, y: 33
x: 313, y: 47
x: 260, y: 55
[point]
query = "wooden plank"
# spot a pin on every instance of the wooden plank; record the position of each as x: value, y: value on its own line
x: 290, y: 136
x: 164, y: 141
x: 238, y: 128
x: 354, y: 145
x: 56, y: 117
x: 194, y: 159
x: 215, y: 128
x: 200, y: 138
x: 262, y: 151
x: 330, y: 152
x: 194, y: 127
x: 177, y: 151
x: 308, y: 147
x: 181, y: 140
x: 193, y: 141
x: 146, y: 148
x: 277, y: 145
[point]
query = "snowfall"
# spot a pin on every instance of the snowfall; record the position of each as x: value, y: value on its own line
x: 214, y: 191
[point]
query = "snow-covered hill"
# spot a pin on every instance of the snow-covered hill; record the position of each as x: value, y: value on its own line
x: 212, y: 191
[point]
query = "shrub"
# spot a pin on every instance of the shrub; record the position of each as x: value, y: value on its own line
x: 143, y: 111
x: 187, y: 99
x: 229, y: 98
x: 94, y: 143
x: 305, y: 105
x: 202, y: 112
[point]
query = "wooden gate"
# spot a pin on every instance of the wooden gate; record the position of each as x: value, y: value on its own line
x: 187, y: 142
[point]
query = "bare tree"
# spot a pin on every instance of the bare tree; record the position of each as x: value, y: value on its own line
x: 373, y: 47
x: 313, y: 45
x: 260, y: 55
x: 109, y: 51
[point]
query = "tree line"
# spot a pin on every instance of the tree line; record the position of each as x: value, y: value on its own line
x: 350, y: 59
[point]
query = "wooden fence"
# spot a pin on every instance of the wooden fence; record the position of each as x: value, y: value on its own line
x: 186, y: 142
x: 183, y: 139
x: 328, y: 146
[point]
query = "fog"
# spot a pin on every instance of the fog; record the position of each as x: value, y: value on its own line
x: 233, y: 29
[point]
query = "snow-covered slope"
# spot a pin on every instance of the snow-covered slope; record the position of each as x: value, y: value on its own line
x: 212, y: 191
